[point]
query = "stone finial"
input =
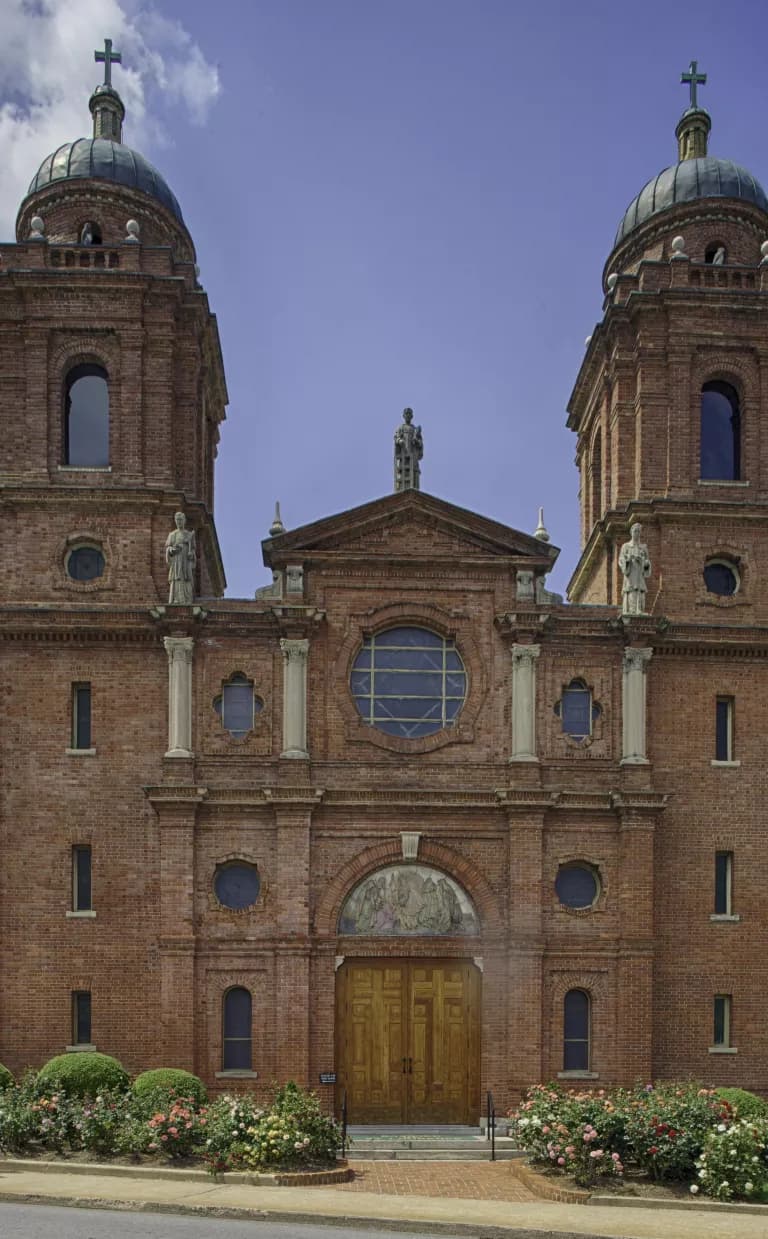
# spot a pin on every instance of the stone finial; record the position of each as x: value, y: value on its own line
x: 132, y: 232
x: 612, y: 281
x: 37, y: 229
x: 678, y: 248
x: 540, y: 531
x: 409, y: 449
x: 588, y: 341
x: 277, y: 526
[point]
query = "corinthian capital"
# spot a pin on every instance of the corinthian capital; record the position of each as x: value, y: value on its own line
x: 179, y: 649
x: 294, y: 649
x: 636, y: 658
x: 525, y: 653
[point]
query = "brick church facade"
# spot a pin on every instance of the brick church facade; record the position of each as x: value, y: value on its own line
x: 405, y: 816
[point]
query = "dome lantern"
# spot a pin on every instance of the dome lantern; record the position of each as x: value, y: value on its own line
x: 105, y: 103
x: 694, y: 125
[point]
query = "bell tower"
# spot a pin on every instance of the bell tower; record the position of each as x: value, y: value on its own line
x: 670, y: 403
x: 112, y: 385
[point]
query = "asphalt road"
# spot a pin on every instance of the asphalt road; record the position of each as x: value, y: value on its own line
x: 52, y: 1222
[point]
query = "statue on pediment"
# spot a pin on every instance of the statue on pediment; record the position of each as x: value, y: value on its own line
x: 635, y: 564
x: 181, y: 557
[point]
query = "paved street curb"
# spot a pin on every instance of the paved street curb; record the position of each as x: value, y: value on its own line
x: 659, y: 1202
x: 400, y: 1225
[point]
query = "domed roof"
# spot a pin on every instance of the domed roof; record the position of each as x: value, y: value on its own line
x: 685, y: 182
x: 103, y: 160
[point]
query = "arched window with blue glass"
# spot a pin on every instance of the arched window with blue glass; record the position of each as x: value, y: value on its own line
x: 237, y: 1037
x: 409, y: 682
x: 720, y: 433
x: 576, y: 1030
x: 86, y: 417
x: 577, y: 711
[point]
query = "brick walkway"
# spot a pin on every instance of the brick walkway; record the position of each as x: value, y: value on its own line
x: 466, y: 1180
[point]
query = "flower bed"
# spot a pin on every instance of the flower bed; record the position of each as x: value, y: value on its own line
x: 667, y: 1132
x: 290, y: 1133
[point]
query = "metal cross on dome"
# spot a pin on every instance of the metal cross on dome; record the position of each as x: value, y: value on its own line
x: 109, y: 58
x: 694, y: 79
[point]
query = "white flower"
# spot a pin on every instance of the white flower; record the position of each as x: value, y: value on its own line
x: 721, y: 1127
x: 749, y: 1187
x: 694, y: 1189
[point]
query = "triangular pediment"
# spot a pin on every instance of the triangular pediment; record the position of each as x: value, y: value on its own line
x: 410, y: 524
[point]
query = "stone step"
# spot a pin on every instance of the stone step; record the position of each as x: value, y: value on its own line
x: 480, y: 1152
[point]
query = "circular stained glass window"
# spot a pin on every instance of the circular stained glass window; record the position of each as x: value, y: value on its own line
x: 576, y: 886
x: 409, y: 682
x: 721, y: 577
x: 85, y: 563
x: 237, y: 885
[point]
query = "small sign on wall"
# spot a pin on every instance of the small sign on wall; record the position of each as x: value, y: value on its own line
x: 327, y: 1077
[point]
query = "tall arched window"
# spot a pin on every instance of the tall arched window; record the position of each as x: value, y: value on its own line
x: 86, y: 417
x: 720, y: 432
x: 576, y: 1021
x: 236, y: 1039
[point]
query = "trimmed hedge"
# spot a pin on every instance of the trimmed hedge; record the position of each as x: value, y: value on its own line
x: 171, y: 1081
x: 82, y: 1074
x: 6, y: 1079
x: 747, y: 1105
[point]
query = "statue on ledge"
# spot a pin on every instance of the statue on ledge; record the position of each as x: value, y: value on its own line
x: 181, y: 557
x: 635, y: 563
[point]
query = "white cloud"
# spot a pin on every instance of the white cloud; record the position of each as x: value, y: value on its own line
x: 47, y: 72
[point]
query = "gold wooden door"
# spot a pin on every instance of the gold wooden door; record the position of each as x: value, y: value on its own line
x: 407, y: 1038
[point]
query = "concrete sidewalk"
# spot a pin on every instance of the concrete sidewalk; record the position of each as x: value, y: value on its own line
x: 404, y: 1212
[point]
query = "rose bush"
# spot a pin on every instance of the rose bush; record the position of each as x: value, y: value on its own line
x: 734, y: 1161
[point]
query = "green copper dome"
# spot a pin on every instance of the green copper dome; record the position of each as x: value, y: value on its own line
x: 103, y: 160
x: 687, y: 181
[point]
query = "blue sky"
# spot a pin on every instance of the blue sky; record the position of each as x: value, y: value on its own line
x: 407, y: 202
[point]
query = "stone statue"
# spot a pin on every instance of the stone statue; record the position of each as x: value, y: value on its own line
x: 86, y: 235
x: 181, y: 557
x: 409, y: 449
x: 635, y: 563
x: 719, y: 257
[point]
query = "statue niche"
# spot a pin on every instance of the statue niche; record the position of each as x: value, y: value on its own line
x: 408, y: 901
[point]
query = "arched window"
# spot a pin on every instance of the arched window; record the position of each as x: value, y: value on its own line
x: 720, y: 432
x: 236, y: 1039
x: 86, y: 417
x: 576, y: 1021
x: 577, y: 711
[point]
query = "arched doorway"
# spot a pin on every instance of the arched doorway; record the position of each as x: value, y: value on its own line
x: 408, y: 1020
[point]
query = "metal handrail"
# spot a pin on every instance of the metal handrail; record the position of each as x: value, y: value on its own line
x: 490, y: 1127
x: 344, y: 1124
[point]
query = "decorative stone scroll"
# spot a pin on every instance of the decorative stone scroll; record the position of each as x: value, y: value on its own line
x: 408, y: 901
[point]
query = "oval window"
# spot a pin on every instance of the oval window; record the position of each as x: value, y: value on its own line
x: 85, y: 563
x: 721, y: 577
x: 237, y: 885
x: 409, y: 682
x: 576, y: 886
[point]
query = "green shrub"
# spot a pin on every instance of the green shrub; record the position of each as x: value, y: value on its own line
x: 164, y: 1083
x: 81, y: 1075
x: 6, y: 1079
x: 747, y: 1105
x: 734, y: 1162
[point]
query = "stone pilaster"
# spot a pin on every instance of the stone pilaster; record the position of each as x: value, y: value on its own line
x: 179, y: 650
x: 295, y: 653
x: 524, y: 702
x: 633, y: 706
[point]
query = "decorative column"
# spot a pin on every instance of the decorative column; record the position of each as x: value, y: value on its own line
x: 524, y: 702
x: 295, y: 653
x: 633, y: 705
x: 179, y: 651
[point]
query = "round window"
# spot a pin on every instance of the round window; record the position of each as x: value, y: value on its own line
x: 721, y: 577
x: 237, y: 885
x: 85, y: 563
x: 409, y: 682
x: 576, y: 886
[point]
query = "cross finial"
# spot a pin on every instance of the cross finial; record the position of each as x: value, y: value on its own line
x: 693, y: 79
x: 108, y: 57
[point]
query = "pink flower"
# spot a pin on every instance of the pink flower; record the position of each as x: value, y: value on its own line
x: 615, y: 1157
x: 163, y: 1137
x: 561, y: 1161
x: 546, y: 1130
x: 570, y: 1148
x: 596, y: 1153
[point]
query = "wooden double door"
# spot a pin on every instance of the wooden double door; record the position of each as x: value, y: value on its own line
x: 408, y: 1040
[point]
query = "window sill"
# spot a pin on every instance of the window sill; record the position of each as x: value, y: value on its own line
x: 235, y: 1075
x: 84, y: 469
x: 726, y: 765
x: 721, y: 482
x: 78, y: 1049
x: 84, y: 915
x: 79, y: 752
x: 733, y: 917
x: 578, y: 1075
x: 722, y: 1049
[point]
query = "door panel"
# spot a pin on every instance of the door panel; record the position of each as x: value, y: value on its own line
x: 408, y: 1040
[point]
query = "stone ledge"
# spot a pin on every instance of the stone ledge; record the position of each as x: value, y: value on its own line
x: 547, y: 1189
x: 341, y: 1173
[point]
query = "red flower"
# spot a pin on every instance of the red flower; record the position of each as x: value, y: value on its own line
x: 653, y: 1149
